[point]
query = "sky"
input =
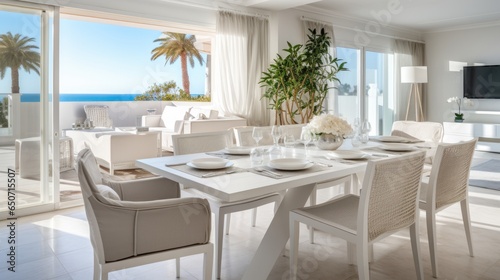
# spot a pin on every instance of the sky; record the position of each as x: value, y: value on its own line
x: 101, y: 58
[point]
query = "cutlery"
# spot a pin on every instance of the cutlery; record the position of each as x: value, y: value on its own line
x: 322, y: 163
x: 380, y: 155
x: 212, y: 174
x: 262, y: 169
x: 175, y: 164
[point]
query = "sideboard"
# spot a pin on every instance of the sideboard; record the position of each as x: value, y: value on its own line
x: 488, y: 134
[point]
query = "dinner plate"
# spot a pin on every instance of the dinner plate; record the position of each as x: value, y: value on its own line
x: 394, y: 139
x: 398, y: 147
x: 238, y: 150
x: 290, y: 164
x: 210, y: 163
x: 348, y: 154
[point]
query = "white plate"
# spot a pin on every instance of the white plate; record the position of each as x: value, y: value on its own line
x: 397, y: 147
x: 394, y: 139
x: 238, y: 150
x: 209, y: 163
x: 347, y: 154
x: 290, y: 164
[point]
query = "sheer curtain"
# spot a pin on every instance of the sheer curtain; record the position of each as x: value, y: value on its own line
x: 331, y: 102
x: 407, y: 53
x: 241, y: 55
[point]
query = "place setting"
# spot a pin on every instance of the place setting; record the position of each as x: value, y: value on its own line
x: 208, y: 167
x: 234, y: 152
x: 288, y: 167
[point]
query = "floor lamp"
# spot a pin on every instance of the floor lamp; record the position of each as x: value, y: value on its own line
x: 414, y: 75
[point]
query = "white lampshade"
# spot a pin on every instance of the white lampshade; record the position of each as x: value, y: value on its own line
x: 414, y: 74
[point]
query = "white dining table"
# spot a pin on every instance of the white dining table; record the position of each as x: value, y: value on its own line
x: 246, y: 185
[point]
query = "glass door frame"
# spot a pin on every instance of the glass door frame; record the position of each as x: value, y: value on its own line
x: 49, y: 110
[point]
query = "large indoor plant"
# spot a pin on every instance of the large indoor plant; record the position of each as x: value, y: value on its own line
x: 298, y: 83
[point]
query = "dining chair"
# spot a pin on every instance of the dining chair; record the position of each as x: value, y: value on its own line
x: 387, y: 204
x: 99, y: 115
x: 212, y: 141
x: 447, y: 185
x: 133, y: 223
x: 243, y: 136
x: 426, y: 131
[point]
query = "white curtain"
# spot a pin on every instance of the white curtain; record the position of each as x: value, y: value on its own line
x: 241, y: 55
x: 407, y: 53
x: 331, y: 102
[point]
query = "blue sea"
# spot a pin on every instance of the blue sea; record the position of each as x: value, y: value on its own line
x: 85, y: 97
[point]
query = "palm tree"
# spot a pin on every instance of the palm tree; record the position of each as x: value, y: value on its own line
x: 176, y: 45
x: 18, y: 52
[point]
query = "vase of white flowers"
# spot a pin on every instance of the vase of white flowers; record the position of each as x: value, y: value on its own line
x: 330, y: 131
x: 459, y: 117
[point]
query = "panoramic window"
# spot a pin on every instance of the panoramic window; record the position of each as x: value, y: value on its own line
x: 112, y: 62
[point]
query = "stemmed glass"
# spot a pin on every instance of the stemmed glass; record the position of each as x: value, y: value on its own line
x: 365, y: 129
x: 257, y: 134
x: 305, y: 138
x: 275, y: 151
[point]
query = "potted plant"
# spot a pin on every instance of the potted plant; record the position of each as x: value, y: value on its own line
x: 459, y: 117
x: 298, y: 83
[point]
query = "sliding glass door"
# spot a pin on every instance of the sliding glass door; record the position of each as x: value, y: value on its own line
x: 27, y: 144
x: 366, y: 90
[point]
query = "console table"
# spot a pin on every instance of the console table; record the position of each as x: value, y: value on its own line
x: 488, y: 134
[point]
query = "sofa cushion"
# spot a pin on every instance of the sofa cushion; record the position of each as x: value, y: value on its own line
x: 203, y: 113
x: 171, y: 114
x: 107, y: 192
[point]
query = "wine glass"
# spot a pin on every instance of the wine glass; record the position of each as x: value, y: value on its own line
x: 365, y: 129
x: 305, y: 138
x: 257, y: 134
x: 276, y: 133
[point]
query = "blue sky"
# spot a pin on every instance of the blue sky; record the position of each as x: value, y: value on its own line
x: 101, y: 58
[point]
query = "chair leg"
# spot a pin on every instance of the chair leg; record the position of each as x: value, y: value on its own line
x: 178, y: 267
x: 254, y: 216
x: 415, y: 245
x: 351, y: 253
x: 467, y: 224
x: 228, y: 223
x: 294, y: 247
x: 97, y: 269
x: 207, y: 265
x: 431, y: 235
x: 362, y: 261
x: 219, y: 227
x: 312, y: 200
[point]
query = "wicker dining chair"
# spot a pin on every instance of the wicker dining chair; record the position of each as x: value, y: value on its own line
x: 387, y: 204
x: 447, y: 185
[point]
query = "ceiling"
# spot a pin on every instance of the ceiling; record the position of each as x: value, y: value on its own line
x: 421, y: 15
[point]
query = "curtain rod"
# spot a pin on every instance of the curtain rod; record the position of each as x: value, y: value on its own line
x: 245, y: 13
x: 364, y: 31
x: 316, y: 21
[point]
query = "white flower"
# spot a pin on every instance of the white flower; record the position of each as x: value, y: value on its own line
x: 327, y: 123
x: 459, y: 101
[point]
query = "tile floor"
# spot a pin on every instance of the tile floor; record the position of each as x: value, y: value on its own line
x: 56, y: 245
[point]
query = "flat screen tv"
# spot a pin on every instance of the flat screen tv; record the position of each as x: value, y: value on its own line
x: 482, y: 81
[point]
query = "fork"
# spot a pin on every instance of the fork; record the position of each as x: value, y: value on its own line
x: 262, y: 169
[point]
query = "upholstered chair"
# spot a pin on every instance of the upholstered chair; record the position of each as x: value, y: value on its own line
x: 133, y: 223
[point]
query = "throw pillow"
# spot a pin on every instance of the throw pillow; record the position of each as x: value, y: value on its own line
x: 107, y: 192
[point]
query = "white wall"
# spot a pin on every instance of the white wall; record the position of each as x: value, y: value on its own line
x: 475, y: 45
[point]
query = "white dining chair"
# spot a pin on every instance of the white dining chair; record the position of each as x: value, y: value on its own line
x: 212, y: 141
x: 387, y: 204
x: 243, y: 136
x: 447, y: 185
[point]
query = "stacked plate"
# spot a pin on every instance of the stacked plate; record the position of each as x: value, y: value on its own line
x: 393, y: 147
x: 290, y: 164
x: 348, y: 154
x: 238, y: 150
x: 210, y: 163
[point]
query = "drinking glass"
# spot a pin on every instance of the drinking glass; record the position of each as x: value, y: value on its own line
x: 289, y: 140
x: 365, y: 129
x: 257, y: 134
x: 257, y: 156
x: 305, y: 138
x: 276, y: 133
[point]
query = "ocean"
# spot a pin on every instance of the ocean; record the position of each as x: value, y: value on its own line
x: 82, y: 97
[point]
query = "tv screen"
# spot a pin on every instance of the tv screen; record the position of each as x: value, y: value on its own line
x: 482, y: 81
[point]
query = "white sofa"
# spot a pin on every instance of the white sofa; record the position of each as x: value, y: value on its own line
x: 185, y: 119
x: 117, y: 150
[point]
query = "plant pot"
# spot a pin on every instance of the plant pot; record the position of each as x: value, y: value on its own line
x: 459, y: 120
x: 329, y: 142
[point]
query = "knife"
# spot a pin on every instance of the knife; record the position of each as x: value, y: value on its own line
x: 213, y: 174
